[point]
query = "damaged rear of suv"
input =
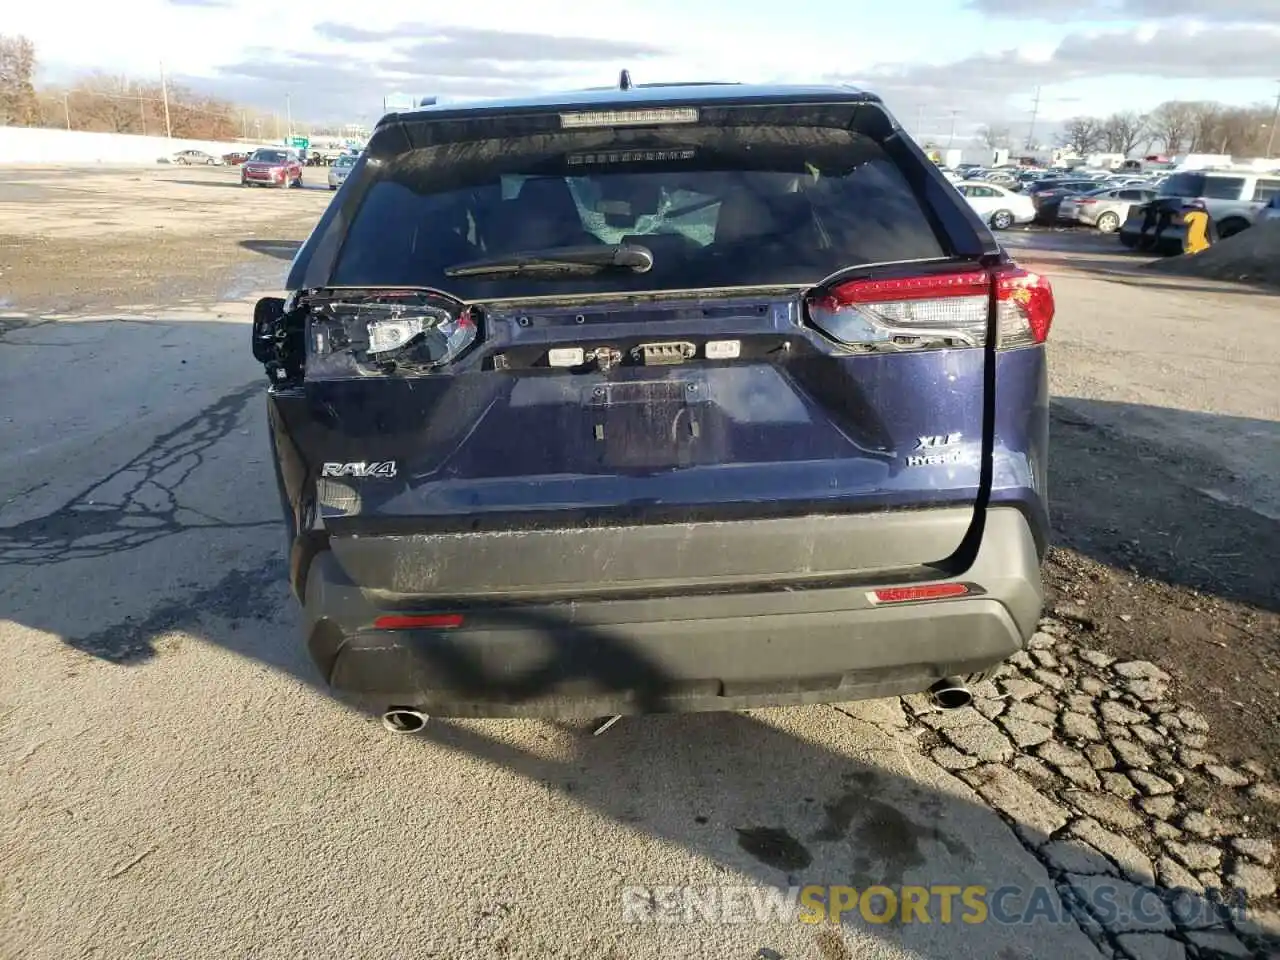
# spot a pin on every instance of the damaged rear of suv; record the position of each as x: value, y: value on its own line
x: 658, y: 398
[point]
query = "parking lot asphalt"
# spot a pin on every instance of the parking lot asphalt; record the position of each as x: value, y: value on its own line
x: 177, y: 784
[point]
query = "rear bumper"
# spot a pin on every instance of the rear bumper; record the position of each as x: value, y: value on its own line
x: 710, y: 651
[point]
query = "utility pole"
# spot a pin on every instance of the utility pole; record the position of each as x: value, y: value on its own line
x: 66, y: 109
x: 164, y: 92
x: 288, y: 110
x: 244, y: 120
x: 1275, y: 118
x: 277, y: 116
x: 1035, y: 112
x: 952, y: 135
x: 142, y: 110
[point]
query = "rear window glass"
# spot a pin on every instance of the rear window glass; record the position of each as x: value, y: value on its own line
x: 1182, y: 185
x: 1223, y: 188
x: 716, y: 206
x: 1202, y: 185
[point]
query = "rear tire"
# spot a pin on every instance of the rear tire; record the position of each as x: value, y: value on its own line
x: 1108, y: 223
x: 1001, y: 220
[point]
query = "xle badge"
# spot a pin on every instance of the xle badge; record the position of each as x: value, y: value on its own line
x: 375, y: 469
x: 938, y: 442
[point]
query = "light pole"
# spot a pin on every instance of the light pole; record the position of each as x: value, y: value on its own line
x: 288, y: 111
x: 164, y: 92
x: 1275, y: 118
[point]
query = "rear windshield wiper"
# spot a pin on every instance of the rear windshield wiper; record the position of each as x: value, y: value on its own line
x: 552, y: 260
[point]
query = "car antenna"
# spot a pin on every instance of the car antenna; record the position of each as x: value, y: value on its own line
x: 624, y: 81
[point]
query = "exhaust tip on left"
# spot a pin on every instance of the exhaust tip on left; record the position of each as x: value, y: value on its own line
x: 950, y: 694
x: 404, y: 720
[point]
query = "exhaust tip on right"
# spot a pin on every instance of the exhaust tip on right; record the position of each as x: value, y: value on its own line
x: 403, y: 720
x: 950, y: 694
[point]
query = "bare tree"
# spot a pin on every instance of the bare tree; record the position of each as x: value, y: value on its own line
x: 1122, y: 132
x: 994, y: 136
x: 110, y: 104
x: 1206, y: 119
x: 1082, y: 134
x: 18, y: 104
x: 1171, y: 123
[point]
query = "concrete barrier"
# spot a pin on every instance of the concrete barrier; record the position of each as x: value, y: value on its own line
x: 39, y: 145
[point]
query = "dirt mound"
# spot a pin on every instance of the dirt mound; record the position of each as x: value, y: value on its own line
x: 1251, y: 257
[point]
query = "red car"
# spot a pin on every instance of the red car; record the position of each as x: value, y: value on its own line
x: 271, y: 168
x: 234, y: 159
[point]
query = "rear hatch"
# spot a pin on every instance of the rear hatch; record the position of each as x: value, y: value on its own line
x: 622, y: 335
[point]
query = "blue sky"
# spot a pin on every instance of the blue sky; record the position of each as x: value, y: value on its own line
x: 981, y: 59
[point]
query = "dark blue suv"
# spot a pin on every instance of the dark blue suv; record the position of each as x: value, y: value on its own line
x: 654, y: 398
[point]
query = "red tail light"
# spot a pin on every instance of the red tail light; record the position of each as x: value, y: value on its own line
x: 1086, y: 202
x: 430, y: 621
x: 937, y: 310
x: 1024, y: 306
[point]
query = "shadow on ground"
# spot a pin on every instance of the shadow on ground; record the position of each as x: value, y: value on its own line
x: 280, y: 249
x: 234, y: 184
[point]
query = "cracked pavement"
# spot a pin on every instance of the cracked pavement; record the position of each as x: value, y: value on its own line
x: 175, y: 784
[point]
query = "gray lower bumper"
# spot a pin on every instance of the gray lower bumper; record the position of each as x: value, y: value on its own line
x: 673, y: 653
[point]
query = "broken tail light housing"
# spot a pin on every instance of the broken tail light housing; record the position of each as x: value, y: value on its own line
x: 941, y: 310
x: 906, y: 313
x: 407, y: 333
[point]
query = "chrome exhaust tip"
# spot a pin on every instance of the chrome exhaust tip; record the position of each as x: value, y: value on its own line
x: 950, y: 694
x: 404, y: 720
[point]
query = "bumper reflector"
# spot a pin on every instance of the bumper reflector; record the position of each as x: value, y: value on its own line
x: 931, y: 591
x: 430, y: 621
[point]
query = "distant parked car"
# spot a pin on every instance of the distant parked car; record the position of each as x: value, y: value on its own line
x: 1106, y: 208
x: 189, y: 157
x: 235, y: 159
x: 1000, y: 208
x: 272, y: 168
x: 1003, y: 178
x: 1234, y: 200
x: 338, y: 172
x: 1048, y: 195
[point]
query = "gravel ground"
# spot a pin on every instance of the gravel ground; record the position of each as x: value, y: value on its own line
x: 1252, y: 256
x: 169, y: 758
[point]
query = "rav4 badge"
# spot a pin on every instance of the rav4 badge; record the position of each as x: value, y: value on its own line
x: 377, y: 469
